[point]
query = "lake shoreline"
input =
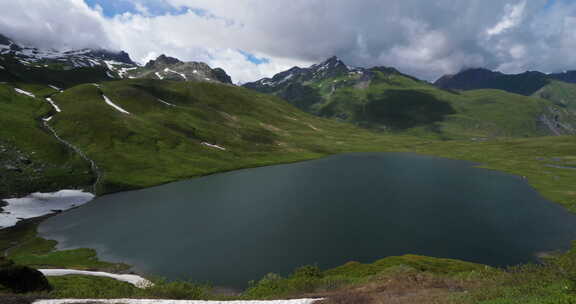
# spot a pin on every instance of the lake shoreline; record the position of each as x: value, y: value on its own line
x: 442, y: 154
x: 439, y: 161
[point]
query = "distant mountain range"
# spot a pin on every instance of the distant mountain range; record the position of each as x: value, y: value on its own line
x: 526, y: 83
x: 72, y: 67
x: 384, y: 98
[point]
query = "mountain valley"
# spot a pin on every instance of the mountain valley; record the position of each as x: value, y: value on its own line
x: 97, y: 121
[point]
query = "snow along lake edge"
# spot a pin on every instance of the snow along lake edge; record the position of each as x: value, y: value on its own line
x: 133, y: 279
x: 40, y: 204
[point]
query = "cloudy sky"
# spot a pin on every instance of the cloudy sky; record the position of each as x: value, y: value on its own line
x: 252, y: 39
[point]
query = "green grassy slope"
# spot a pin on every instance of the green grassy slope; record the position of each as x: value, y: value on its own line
x: 494, y: 113
x: 158, y: 143
x: 404, y: 104
x: 561, y: 93
x: 31, y: 160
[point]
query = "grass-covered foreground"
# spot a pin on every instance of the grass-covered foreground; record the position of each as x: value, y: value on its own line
x: 408, y: 279
x: 405, y: 279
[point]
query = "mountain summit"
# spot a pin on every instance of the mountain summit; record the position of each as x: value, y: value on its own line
x: 331, y: 67
x: 311, y: 88
x: 170, y: 68
x: 162, y: 61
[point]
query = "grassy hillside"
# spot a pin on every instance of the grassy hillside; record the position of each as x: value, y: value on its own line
x: 561, y: 93
x: 401, y: 103
x: 158, y: 143
x: 31, y: 160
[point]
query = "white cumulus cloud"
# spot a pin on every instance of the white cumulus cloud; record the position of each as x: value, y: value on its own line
x: 425, y: 38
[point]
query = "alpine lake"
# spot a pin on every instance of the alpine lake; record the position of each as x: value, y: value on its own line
x: 234, y: 227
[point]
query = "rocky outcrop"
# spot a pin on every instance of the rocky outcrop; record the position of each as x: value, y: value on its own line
x: 299, y: 86
x: 169, y: 68
x: 222, y: 76
x: 22, y: 279
x: 107, y: 55
x: 558, y: 121
x: 161, y: 62
x: 296, y: 76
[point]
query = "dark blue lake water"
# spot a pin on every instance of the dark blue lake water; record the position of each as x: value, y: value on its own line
x: 234, y: 227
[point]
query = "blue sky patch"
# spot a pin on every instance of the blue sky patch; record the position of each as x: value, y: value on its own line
x: 252, y: 58
x: 112, y: 8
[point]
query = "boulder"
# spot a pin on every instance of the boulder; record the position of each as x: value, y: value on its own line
x: 22, y: 279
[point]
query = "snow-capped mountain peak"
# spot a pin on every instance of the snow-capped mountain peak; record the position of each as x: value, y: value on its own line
x: 110, y: 64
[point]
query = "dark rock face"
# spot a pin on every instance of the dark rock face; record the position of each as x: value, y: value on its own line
x: 161, y: 61
x: 293, y: 85
x: 22, y: 279
x: 331, y: 67
x: 4, y: 40
x: 169, y: 68
x: 17, y: 299
x: 222, y: 76
x: 109, y: 55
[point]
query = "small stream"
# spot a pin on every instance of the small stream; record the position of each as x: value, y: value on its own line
x: 93, y: 166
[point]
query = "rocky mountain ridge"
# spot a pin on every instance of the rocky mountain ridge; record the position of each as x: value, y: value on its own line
x: 332, y: 67
x: 104, y: 64
x: 385, y: 99
x: 169, y: 68
x: 308, y: 88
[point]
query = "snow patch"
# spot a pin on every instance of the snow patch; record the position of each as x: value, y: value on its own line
x: 2, y: 68
x: 213, y: 146
x: 171, y: 71
x: 159, y: 76
x: 19, y: 91
x: 54, y: 105
x: 109, y: 65
x: 156, y: 301
x: 123, y: 71
x: 110, y: 103
x: 166, y: 103
x: 286, y: 78
x: 109, y: 75
x: 55, y: 88
x: 135, y: 280
x: 267, y: 82
x: 93, y: 62
x: 39, y: 204
x: 313, y: 127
